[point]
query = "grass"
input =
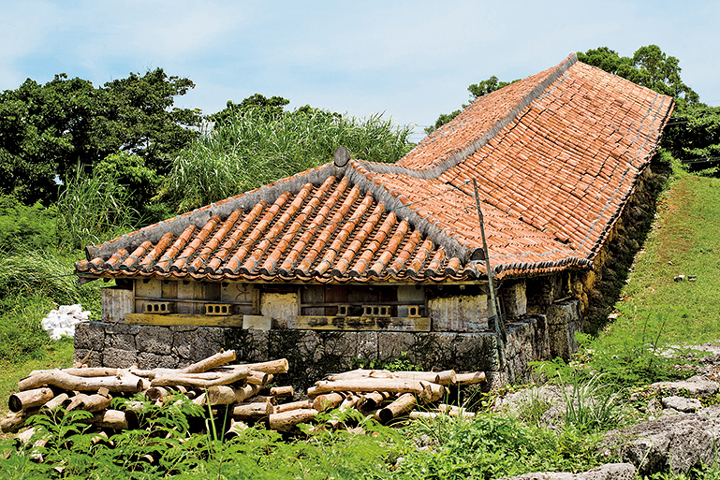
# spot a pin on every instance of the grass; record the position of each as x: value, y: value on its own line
x: 56, y: 354
x: 684, y: 241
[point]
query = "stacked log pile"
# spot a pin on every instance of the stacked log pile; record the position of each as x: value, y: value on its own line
x: 241, y: 389
x: 239, y: 394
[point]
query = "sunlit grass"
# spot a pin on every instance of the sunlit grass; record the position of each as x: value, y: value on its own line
x: 685, y: 241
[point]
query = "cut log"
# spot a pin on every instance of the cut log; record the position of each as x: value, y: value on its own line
x: 264, y: 399
x: 286, y: 421
x: 372, y: 400
x: 327, y: 401
x: 236, y: 429
x: 349, y: 401
x: 393, y: 385
x: 111, y: 419
x: 416, y: 415
x: 210, y: 362
x: 83, y: 372
x: 259, y: 378
x: 189, y: 381
x: 404, y: 403
x: 29, y: 399
x: 76, y: 402
x: 61, y: 400
x: 156, y: 393
x: 273, y: 366
x: 15, y: 421
x: 471, y: 378
x: 221, y: 395
x: 447, y: 377
x: 123, y: 383
x: 251, y: 412
x: 246, y: 391
x: 96, y: 403
x: 280, y: 392
x: 454, y: 411
x: 200, y: 400
x: 432, y: 392
x: 300, y: 404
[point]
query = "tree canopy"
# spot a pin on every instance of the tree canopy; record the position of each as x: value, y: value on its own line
x: 46, y: 131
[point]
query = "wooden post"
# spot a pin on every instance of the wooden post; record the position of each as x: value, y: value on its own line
x: 499, y: 325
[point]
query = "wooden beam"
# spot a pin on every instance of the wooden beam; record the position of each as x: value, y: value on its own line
x: 392, y: 324
x: 184, y: 319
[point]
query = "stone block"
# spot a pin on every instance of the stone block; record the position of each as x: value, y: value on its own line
x: 392, y: 345
x: 121, y: 329
x: 90, y: 335
x: 121, y: 341
x: 367, y: 345
x: 94, y: 360
x: 199, y: 343
x: 152, y: 339
x: 151, y: 360
x: 476, y: 352
x: 249, y: 345
x: 116, y: 358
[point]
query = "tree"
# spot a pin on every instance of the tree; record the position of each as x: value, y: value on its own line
x: 269, y: 108
x: 649, y: 66
x: 476, y: 90
x: 46, y: 131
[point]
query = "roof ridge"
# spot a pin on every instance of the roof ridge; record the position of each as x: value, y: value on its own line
x: 456, y: 158
x: 398, y: 203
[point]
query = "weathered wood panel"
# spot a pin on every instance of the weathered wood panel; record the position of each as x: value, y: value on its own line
x: 281, y: 307
x: 179, y: 319
x: 466, y: 313
x: 116, y: 303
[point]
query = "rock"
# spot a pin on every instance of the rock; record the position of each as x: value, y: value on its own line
x: 611, y: 471
x: 697, y: 386
x: 674, y: 443
x: 682, y: 404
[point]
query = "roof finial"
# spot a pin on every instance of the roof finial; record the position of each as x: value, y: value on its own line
x: 342, y: 156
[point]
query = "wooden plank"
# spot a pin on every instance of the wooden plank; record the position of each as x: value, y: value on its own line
x: 184, y: 319
x: 391, y: 324
x: 311, y: 295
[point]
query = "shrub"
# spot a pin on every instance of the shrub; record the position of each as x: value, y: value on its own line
x: 25, y: 228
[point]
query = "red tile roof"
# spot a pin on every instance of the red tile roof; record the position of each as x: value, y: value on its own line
x: 555, y: 158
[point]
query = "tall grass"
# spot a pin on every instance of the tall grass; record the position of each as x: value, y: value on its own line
x: 93, y: 208
x: 250, y: 150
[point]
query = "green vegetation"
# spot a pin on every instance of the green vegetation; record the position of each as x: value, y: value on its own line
x: 46, y: 131
x: 253, y: 147
x: 684, y: 242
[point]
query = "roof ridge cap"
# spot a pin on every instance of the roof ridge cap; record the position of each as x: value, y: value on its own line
x: 457, y: 157
x: 222, y: 208
x: 359, y: 175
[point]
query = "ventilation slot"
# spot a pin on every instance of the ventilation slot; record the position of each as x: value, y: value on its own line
x: 218, y: 309
x: 159, y: 308
x: 376, y: 310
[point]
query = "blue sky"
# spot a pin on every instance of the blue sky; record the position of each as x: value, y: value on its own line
x: 411, y: 60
